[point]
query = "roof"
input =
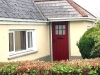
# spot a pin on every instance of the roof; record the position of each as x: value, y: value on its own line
x: 61, y: 9
x: 19, y: 9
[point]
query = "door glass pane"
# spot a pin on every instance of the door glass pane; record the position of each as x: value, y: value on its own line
x: 30, y: 43
x: 60, y: 32
x: 20, y: 40
x: 60, y: 26
x: 11, y: 44
x: 64, y: 32
x: 60, y: 29
x: 56, y: 27
x: 63, y: 26
x: 56, y: 31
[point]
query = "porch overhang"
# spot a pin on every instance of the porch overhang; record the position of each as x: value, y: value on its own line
x: 72, y: 19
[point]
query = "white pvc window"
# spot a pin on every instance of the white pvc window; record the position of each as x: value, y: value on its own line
x: 22, y: 41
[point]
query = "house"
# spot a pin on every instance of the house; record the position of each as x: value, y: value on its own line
x: 37, y: 29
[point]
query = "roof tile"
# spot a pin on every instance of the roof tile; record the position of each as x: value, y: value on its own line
x: 19, y: 9
x: 71, y: 2
x: 59, y: 9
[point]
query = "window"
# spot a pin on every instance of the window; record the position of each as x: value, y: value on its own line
x: 60, y: 29
x: 88, y: 27
x: 21, y: 41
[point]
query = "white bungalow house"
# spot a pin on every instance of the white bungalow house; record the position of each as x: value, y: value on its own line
x: 32, y: 30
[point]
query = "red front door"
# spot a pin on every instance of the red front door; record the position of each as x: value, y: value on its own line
x: 60, y: 41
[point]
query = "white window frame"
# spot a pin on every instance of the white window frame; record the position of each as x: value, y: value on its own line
x: 27, y: 38
x: 28, y: 50
x: 13, y: 41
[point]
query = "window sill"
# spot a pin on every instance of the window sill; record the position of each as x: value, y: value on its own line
x: 13, y: 56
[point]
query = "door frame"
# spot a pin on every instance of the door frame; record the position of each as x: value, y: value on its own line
x: 51, y: 47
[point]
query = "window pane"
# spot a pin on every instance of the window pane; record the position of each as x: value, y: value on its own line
x: 64, y: 32
x: 20, y: 40
x: 56, y: 32
x: 60, y: 26
x: 56, y: 27
x: 11, y: 44
x: 60, y: 32
x: 30, y: 43
x: 63, y: 26
x: 23, y: 39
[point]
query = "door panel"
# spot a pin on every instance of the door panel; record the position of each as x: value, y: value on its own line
x: 60, y: 41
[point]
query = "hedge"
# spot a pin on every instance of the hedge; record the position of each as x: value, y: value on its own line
x: 64, y: 67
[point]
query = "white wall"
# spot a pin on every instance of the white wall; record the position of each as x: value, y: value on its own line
x: 76, y: 30
x: 42, y: 40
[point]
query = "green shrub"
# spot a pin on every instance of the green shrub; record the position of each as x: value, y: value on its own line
x: 72, y: 67
x: 8, y: 68
x: 89, y: 43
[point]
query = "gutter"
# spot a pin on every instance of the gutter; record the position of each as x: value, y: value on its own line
x: 21, y: 21
x: 28, y: 21
x: 72, y: 19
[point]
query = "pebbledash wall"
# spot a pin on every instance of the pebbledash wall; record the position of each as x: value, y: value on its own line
x: 42, y: 42
x: 76, y: 30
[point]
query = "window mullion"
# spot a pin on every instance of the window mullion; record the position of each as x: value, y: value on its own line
x: 26, y: 40
x: 30, y: 38
x: 14, y: 40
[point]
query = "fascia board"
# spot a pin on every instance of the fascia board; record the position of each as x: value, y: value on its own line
x: 72, y: 19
